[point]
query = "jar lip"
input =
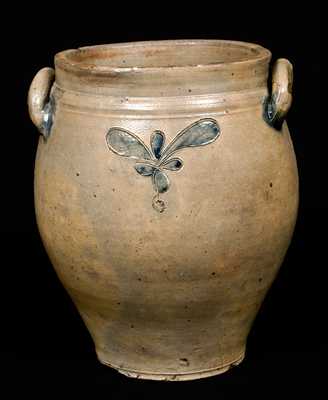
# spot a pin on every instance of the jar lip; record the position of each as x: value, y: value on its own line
x: 108, y: 59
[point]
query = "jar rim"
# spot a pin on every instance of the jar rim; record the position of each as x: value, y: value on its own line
x: 149, y: 56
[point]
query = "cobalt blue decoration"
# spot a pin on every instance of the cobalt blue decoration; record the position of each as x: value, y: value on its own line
x: 153, y: 162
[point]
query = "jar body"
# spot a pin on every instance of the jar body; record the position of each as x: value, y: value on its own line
x: 172, y: 292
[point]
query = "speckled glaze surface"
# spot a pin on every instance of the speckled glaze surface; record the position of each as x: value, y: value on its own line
x: 166, y: 194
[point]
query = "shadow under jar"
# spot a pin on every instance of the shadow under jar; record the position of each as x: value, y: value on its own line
x: 166, y: 194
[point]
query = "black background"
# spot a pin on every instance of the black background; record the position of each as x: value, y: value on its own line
x: 42, y: 336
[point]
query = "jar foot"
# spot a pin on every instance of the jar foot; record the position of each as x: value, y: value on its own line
x: 179, y: 376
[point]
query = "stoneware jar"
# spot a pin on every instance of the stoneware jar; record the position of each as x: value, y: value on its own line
x: 166, y: 194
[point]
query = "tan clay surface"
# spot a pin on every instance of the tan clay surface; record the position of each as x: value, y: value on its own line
x: 167, y: 283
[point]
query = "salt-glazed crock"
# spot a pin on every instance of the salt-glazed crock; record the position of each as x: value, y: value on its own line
x: 166, y: 194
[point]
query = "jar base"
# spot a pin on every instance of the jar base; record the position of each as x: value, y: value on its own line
x: 179, y: 376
